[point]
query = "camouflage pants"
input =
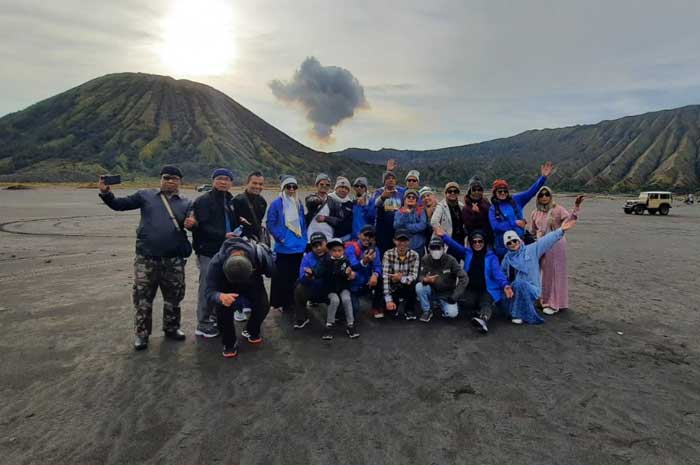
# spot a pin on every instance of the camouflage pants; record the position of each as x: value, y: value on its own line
x: 150, y: 273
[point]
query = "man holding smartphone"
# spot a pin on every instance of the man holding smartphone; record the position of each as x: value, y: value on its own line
x: 162, y: 248
x: 212, y: 221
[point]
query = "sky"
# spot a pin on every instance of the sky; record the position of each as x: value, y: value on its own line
x: 423, y: 74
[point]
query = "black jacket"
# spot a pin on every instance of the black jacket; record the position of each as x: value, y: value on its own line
x: 156, y: 235
x: 334, y: 274
x: 242, y: 203
x: 210, y: 231
x: 335, y: 215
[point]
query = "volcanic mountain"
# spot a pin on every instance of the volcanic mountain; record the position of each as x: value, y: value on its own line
x: 654, y: 150
x: 132, y: 123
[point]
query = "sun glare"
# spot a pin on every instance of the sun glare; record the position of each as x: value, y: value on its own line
x: 198, y: 38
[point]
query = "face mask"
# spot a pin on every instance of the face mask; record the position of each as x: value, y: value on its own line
x: 436, y: 254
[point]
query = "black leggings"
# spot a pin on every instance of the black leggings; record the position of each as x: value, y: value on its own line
x: 283, y: 279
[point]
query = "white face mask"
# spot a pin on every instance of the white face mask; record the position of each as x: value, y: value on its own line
x: 436, y: 254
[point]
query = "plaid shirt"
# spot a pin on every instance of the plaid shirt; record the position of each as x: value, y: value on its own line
x: 408, y: 267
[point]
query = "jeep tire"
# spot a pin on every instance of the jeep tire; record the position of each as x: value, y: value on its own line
x: 639, y: 210
x: 663, y: 209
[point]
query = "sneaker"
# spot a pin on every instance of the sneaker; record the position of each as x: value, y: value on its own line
x: 141, y: 343
x: 517, y: 321
x: 426, y: 317
x: 549, y: 310
x: 377, y: 313
x: 238, y: 315
x: 253, y: 340
x: 175, y: 335
x: 206, y: 332
x: 351, y: 331
x: 301, y: 323
x: 247, y: 310
x: 328, y: 333
x: 480, y: 325
x: 411, y: 316
x: 230, y: 352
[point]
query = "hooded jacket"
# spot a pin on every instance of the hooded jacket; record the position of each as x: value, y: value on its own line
x: 362, y: 215
x: 495, y: 278
x: 286, y: 242
x: 526, y: 261
x: 510, y: 212
x: 415, y: 222
x: 216, y: 279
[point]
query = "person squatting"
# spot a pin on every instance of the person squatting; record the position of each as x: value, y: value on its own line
x: 412, y: 255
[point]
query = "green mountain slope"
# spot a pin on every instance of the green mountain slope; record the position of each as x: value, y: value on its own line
x: 654, y: 150
x: 133, y: 123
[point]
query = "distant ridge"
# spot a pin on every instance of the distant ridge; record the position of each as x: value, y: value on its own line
x: 132, y: 123
x: 653, y: 150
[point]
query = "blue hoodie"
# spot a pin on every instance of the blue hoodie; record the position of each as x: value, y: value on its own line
x: 510, y: 215
x: 286, y: 242
x: 526, y: 261
x: 313, y: 261
x: 362, y: 215
x: 363, y: 272
x: 415, y: 222
x: 495, y: 278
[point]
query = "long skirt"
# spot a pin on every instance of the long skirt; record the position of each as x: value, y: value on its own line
x: 283, y: 279
x: 555, y: 283
x: 522, y: 305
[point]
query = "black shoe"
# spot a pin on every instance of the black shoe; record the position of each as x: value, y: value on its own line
x: 351, y: 331
x: 480, y: 325
x: 410, y: 316
x: 230, y: 351
x: 175, y: 335
x: 141, y: 343
x: 328, y: 333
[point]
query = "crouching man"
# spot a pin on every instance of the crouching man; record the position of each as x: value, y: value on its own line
x: 162, y: 248
x: 237, y: 271
x: 441, y: 279
x: 522, y: 267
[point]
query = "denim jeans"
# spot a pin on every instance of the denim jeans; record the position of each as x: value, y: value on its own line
x: 426, y: 297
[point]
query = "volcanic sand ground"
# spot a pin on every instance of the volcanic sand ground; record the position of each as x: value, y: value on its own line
x: 613, y: 381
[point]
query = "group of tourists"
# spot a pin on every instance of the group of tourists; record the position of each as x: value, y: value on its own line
x: 410, y: 253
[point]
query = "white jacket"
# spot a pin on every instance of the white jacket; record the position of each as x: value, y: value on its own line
x: 441, y: 216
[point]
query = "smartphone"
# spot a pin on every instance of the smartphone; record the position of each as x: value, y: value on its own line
x: 111, y: 179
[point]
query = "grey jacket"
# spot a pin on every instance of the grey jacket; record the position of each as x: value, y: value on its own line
x: 451, y: 281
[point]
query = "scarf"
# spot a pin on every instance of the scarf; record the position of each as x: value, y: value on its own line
x: 290, y: 208
x: 348, y: 198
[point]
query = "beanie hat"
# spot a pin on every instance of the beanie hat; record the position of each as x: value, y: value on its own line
x: 322, y: 177
x: 475, y: 181
x: 436, y: 241
x: 410, y: 191
x: 287, y: 179
x: 500, y: 184
x: 171, y: 170
x: 361, y: 181
x: 451, y: 185
x: 477, y: 233
x: 386, y: 174
x: 342, y: 181
x: 425, y: 191
x: 509, y: 236
x: 237, y: 268
x: 222, y: 172
x: 413, y: 174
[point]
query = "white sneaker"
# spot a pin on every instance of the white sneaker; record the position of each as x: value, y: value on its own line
x: 517, y: 321
x: 247, y: 310
x: 239, y: 316
x: 549, y: 310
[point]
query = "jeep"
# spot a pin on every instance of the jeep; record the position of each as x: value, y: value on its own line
x: 652, y: 202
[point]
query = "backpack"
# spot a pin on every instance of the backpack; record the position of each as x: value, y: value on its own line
x: 264, y: 256
x: 356, y: 247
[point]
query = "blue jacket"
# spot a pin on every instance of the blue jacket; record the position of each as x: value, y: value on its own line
x: 361, y: 216
x: 156, y: 235
x: 510, y: 215
x: 415, y: 222
x: 286, y: 242
x: 364, y: 272
x: 495, y: 278
x: 311, y: 260
x: 526, y: 261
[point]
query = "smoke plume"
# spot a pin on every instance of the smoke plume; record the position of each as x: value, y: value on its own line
x: 328, y: 95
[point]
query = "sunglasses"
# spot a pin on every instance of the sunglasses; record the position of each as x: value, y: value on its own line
x: 501, y: 191
x: 359, y: 186
x: 167, y: 177
x: 512, y: 241
x: 453, y: 191
x: 323, y: 184
x: 477, y: 189
x: 411, y: 197
x: 479, y: 241
x: 411, y: 180
x: 543, y: 194
x: 291, y: 187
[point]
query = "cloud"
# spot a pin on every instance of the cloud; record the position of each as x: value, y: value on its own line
x: 328, y: 95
